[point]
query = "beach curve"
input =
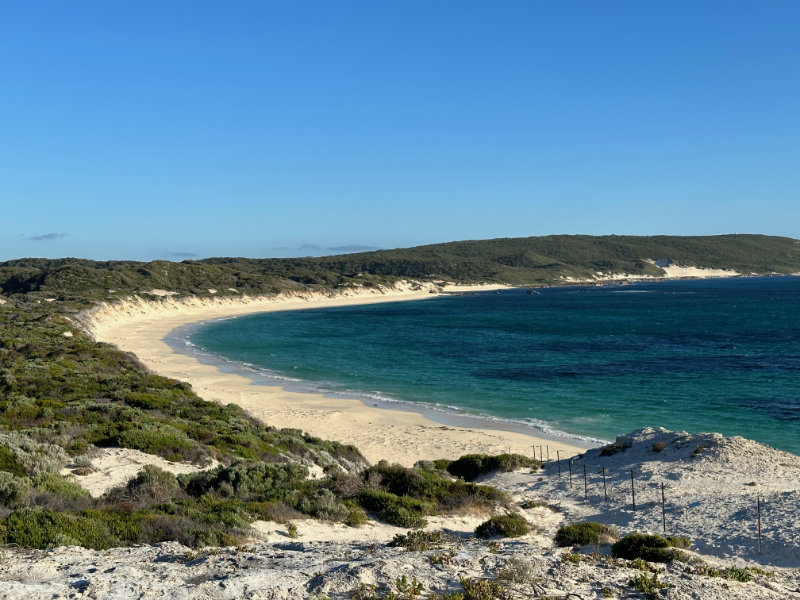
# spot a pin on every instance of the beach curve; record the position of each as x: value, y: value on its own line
x: 140, y: 326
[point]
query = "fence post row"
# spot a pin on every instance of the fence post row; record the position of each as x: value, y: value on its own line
x: 633, y: 495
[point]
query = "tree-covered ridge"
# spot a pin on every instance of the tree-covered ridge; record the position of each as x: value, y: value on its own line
x: 532, y: 260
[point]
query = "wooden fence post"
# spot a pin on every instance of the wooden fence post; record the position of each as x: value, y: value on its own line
x: 585, y: 484
x: 758, y: 511
x: 633, y: 491
x: 663, y: 509
x: 605, y: 491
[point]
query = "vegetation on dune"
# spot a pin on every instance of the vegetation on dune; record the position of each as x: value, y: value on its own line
x: 648, y: 547
x: 522, y: 261
x: 471, y: 466
x: 583, y: 534
x: 62, y: 395
x: 513, y: 525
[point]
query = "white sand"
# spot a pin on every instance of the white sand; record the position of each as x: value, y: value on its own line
x: 140, y: 326
x: 115, y: 466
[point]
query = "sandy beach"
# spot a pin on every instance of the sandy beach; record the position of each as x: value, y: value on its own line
x: 140, y: 325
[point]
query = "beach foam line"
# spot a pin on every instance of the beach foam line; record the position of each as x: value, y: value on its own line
x: 140, y: 326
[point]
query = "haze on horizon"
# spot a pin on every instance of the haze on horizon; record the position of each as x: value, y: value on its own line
x: 192, y: 129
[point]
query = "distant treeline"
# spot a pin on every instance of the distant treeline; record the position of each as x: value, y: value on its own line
x: 520, y: 261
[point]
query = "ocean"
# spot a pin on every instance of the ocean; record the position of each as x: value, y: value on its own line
x: 717, y: 355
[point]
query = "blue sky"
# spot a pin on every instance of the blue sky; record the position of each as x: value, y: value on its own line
x: 143, y: 130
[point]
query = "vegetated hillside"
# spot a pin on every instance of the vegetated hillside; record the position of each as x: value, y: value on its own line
x: 547, y: 259
x: 519, y: 261
x: 63, y: 398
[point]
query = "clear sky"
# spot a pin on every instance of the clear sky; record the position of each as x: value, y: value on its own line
x: 172, y: 129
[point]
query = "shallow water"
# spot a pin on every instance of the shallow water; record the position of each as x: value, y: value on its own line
x: 708, y: 355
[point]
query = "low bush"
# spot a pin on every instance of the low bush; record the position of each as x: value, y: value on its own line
x: 151, y: 485
x: 653, y: 548
x: 679, y: 542
x: 484, y: 589
x: 13, y: 490
x: 582, y: 534
x: 513, y: 525
x: 438, y: 490
x: 257, y: 482
x: 649, y: 586
x: 36, y: 528
x: 737, y: 574
x: 419, y: 541
x: 471, y: 466
x: 518, y: 570
x: 612, y: 449
x: 395, y: 510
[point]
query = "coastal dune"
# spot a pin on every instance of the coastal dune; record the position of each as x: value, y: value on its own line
x: 140, y: 325
x: 735, y: 499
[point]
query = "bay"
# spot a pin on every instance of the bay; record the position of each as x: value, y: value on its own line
x: 702, y: 355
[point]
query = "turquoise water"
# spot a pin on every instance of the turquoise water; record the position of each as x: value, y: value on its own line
x: 709, y: 355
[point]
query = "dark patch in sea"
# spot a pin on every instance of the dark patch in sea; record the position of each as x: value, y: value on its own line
x: 645, y: 367
x: 779, y: 408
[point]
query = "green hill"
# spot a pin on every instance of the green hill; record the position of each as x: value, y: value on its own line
x: 521, y: 261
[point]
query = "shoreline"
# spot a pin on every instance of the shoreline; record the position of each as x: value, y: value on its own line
x: 444, y: 415
x: 401, y: 434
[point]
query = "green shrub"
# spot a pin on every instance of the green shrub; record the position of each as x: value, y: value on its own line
x: 649, y: 586
x: 8, y: 462
x: 60, y: 487
x: 36, y: 528
x: 641, y: 545
x: 356, y: 517
x: 166, y: 442
x: 582, y: 534
x: 323, y: 504
x: 518, y: 570
x: 258, y: 482
x: 432, y: 487
x: 513, y: 525
x: 13, y: 490
x: 484, y: 589
x: 395, y: 510
x: 471, y: 466
x: 22, y: 454
x: 698, y: 450
x: 612, y: 449
x: 737, y: 574
x: 151, y: 485
x: 419, y: 541
x: 679, y: 542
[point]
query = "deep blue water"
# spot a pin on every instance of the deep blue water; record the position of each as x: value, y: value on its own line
x: 707, y: 355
